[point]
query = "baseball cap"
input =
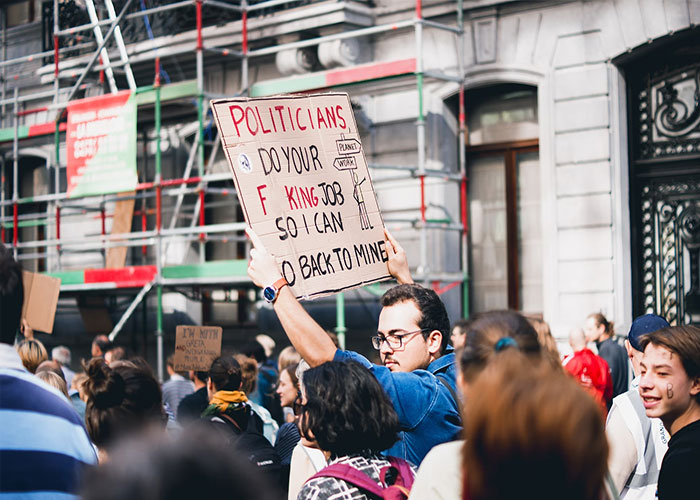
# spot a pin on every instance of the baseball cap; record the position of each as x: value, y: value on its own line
x: 643, y: 325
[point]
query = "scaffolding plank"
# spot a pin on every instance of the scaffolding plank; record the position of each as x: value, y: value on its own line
x: 215, y: 269
x: 121, y: 224
x: 167, y: 92
x: 344, y: 76
x: 123, y: 277
x: 69, y: 277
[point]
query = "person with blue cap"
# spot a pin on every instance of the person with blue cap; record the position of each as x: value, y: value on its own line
x: 637, y: 443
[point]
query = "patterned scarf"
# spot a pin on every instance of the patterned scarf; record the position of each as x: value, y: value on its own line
x: 228, y: 402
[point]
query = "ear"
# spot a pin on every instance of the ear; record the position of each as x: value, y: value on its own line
x: 695, y: 387
x: 630, y: 349
x: 434, y: 342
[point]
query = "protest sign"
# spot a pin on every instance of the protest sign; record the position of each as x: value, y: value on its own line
x: 304, y: 187
x: 40, y: 300
x: 196, y: 347
x: 101, y: 145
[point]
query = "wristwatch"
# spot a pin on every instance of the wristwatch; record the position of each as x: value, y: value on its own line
x: 270, y: 292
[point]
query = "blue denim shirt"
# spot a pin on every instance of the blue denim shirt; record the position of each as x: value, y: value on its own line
x: 428, y: 414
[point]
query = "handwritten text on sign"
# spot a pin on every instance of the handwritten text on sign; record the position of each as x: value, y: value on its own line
x: 303, y: 183
x: 196, y: 347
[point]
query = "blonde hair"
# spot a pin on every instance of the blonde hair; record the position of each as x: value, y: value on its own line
x: 54, y: 381
x: 555, y: 448
x: 546, y: 340
x: 288, y: 356
x: 32, y: 353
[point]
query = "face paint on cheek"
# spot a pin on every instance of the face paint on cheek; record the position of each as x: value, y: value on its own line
x: 669, y: 391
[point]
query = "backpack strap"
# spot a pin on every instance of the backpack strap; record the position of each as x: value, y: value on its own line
x: 351, y: 475
x: 406, y: 474
x: 444, y: 382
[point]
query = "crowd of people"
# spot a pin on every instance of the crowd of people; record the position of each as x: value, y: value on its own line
x: 482, y: 409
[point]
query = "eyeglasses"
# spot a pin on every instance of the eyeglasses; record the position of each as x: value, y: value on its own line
x: 394, y: 341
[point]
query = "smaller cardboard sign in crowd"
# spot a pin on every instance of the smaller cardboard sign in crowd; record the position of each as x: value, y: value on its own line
x: 196, y: 347
x: 40, y: 300
x: 304, y: 187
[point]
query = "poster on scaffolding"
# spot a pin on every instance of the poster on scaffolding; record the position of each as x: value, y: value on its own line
x: 305, y: 189
x: 101, y: 145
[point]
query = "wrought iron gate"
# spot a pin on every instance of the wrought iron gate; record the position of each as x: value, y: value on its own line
x: 665, y: 184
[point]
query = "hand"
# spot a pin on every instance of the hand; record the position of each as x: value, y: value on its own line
x: 398, y: 263
x: 26, y: 330
x: 262, y: 266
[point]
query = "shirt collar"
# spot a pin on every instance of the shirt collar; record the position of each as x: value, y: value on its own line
x: 9, y: 358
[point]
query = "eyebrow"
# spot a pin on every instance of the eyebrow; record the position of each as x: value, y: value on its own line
x: 393, y: 331
x: 657, y: 367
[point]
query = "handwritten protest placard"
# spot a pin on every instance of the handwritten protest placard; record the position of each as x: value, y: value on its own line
x: 196, y: 347
x: 304, y: 186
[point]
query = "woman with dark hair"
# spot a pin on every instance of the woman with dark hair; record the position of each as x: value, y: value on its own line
x: 120, y: 400
x: 234, y: 419
x: 348, y: 414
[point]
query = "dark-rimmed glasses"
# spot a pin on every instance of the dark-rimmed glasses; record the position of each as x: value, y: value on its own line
x: 395, y: 341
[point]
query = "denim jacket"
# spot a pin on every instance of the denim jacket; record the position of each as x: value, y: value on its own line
x: 428, y: 414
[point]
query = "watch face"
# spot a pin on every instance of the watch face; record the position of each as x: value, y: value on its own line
x: 269, y: 293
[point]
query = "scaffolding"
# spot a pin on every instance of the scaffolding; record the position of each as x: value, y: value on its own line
x: 196, y: 179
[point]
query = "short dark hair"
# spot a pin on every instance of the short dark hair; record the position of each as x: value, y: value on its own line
x: 682, y: 340
x: 120, y: 400
x: 485, y: 330
x: 225, y: 374
x: 255, y: 350
x: 347, y: 411
x: 196, y: 463
x: 11, y: 296
x: 433, y: 313
x: 103, y: 342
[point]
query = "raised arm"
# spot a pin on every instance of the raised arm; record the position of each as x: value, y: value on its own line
x: 398, y: 263
x: 307, y: 336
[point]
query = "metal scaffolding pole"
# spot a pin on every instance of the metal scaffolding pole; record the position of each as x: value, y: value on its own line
x: 129, y: 311
x: 159, y: 240
x: 104, y: 55
x: 420, y: 130
x: 94, y: 57
x: 15, y: 175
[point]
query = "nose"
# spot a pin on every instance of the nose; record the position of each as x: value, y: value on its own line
x: 385, y: 348
x: 645, y: 381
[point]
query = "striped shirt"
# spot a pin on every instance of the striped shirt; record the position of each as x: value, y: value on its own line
x: 43, y: 444
x: 175, y: 390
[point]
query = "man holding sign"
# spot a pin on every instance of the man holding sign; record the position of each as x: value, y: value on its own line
x: 419, y: 370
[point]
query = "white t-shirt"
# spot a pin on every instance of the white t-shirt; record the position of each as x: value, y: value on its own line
x: 440, y: 474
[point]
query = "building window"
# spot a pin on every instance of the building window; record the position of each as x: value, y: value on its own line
x: 504, y: 199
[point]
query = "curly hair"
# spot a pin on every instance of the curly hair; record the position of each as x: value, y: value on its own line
x: 120, y: 400
x: 433, y: 315
x: 346, y: 411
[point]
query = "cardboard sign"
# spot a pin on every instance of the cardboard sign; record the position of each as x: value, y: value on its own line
x: 303, y: 183
x: 40, y: 300
x: 101, y: 145
x: 196, y: 347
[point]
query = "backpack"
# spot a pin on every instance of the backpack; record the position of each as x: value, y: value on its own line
x: 251, y: 440
x: 399, y: 474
